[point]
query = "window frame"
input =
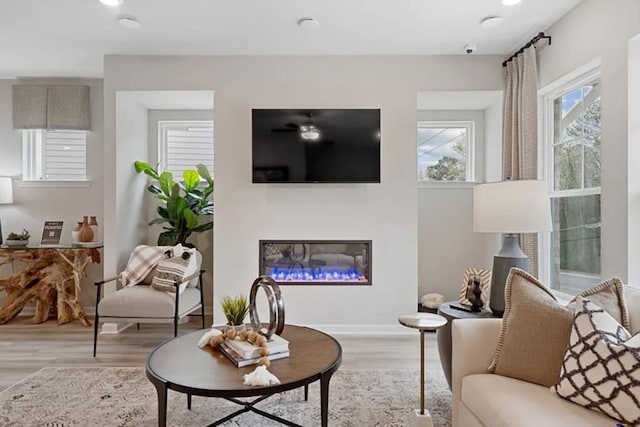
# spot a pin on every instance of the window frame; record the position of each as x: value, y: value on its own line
x: 582, y: 76
x: 33, y: 149
x: 470, y: 170
x: 166, y: 124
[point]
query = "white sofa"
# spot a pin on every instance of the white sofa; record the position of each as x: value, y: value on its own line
x: 484, y: 399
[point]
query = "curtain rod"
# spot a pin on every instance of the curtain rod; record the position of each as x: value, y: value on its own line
x: 532, y: 42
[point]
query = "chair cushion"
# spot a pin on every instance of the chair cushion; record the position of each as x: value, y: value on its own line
x: 172, y: 270
x: 601, y: 368
x: 501, y: 401
x: 536, y: 328
x: 144, y: 301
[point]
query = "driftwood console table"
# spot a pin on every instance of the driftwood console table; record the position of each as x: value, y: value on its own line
x: 50, y: 278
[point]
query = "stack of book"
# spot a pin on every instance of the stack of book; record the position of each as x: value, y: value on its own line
x: 244, y: 353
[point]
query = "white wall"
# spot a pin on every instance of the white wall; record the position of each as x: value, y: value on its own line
x: 204, y: 241
x: 598, y: 28
x: 445, y: 229
x: 633, y: 180
x: 130, y: 145
x: 35, y: 204
x: 245, y: 213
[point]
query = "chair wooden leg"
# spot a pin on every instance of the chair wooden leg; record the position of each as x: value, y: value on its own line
x: 138, y: 326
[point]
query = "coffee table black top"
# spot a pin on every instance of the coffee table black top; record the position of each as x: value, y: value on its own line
x: 182, y: 366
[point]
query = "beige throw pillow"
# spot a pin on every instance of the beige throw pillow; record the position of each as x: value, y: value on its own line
x: 536, y: 328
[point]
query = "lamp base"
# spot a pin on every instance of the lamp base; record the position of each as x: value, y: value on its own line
x: 510, y: 255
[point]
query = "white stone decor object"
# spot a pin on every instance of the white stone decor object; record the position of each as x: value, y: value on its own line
x: 432, y: 300
x: 423, y: 420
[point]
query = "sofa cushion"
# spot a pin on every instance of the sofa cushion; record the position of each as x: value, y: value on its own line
x: 608, y: 295
x: 501, y: 401
x: 601, y: 368
x: 536, y: 328
x: 632, y: 298
x: 144, y: 301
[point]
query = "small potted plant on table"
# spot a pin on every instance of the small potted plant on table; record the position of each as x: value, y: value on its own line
x: 235, y: 310
x: 21, y: 239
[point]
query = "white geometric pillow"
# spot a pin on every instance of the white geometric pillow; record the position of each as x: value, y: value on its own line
x: 601, y: 368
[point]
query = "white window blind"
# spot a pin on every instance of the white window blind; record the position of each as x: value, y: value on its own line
x: 54, y: 155
x: 183, y: 145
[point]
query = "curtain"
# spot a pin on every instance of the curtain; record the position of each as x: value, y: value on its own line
x: 520, y: 132
x: 51, y: 107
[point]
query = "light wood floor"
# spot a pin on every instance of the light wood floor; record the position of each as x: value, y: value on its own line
x: 25, y: 348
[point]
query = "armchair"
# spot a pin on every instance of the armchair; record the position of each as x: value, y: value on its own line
x: 143, y: 303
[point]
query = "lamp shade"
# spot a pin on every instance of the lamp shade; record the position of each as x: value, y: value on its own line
x: 6, y: 190
x: 511, y: 207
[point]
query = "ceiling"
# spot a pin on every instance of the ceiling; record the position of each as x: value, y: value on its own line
x: 68, y: 38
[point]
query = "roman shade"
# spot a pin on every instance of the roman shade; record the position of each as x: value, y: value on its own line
x: 51, y: 107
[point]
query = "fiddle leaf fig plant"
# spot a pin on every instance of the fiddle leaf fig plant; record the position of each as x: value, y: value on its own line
x: 183, y: 203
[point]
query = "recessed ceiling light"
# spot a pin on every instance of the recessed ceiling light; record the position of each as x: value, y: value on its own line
x: 510, y: 2
x: 112, y: 2
x: 128, y: 22
x: 308, y: 24
x: 491, y: 21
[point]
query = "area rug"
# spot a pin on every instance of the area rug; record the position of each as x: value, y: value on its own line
x: 61, y: 397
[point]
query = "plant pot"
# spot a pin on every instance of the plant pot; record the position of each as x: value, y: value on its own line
x: 16, y: 243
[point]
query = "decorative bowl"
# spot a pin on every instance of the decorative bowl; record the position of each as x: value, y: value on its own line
x: 16, y: 243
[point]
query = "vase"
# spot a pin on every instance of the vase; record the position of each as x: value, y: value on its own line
x: 93, y: 223
x: 85, y: 234
x: 75, y: 232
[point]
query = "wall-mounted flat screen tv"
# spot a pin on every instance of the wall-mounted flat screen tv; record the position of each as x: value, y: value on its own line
x: 316, y: 145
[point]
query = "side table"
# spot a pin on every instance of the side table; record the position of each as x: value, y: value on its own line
x: 424, y: 322
x: 444, y: 334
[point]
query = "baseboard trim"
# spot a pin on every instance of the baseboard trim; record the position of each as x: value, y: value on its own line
x: 384, y: 329
x: 331, y: 329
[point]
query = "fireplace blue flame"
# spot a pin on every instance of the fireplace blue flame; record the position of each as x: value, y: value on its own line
x: 319, y: 274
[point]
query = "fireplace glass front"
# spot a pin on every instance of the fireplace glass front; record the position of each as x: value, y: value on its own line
x: 316, y: 262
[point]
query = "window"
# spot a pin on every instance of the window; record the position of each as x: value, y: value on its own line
x: 185, y: 144
x: 54, y: 155
x: 572, y: 119
x: 445, y: 151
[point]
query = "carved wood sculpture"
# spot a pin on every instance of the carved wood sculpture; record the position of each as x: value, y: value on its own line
x: 51, y: 278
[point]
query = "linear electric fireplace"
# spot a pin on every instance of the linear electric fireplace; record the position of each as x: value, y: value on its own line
x: 316, y: 262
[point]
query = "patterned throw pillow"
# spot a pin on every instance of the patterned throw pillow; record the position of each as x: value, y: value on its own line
x: 601, y: 367
x: 536, y: 328
x: 172, y: 270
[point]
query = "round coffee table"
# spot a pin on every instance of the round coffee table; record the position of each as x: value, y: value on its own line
x: 180, y: 365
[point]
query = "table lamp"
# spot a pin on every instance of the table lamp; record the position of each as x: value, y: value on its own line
x: 6, y: 195
x: 510, y: 207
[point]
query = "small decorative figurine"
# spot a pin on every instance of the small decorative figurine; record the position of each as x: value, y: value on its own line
x: 475, y: 294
